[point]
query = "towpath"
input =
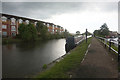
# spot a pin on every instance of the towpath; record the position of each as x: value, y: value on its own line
x: 98, y: 63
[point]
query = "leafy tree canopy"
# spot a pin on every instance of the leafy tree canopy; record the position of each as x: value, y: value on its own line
x: 27, y: 32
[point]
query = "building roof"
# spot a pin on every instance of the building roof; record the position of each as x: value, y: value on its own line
x: 18, y: 17
x: 24, y: 18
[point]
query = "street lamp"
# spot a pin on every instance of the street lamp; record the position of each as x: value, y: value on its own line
x: 119, y: 47
x: 86, y: 35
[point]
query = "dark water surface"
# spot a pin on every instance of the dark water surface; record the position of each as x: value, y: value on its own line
x: 26, y: 59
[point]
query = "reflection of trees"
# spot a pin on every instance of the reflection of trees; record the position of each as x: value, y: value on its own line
x: 25, y: 46
x: 9, y: 46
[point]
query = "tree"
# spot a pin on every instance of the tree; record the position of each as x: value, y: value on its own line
x: 42, y: 30
x: 77, y: 32
x: 27, y: 32
x: 104, y: 30
x: 39, y: 25
x: 66, y: 33
x: 96, y: 32
x: 21, y: 29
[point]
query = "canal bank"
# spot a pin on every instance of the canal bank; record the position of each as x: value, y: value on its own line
x: 61, y: 67
x: 18, y: 40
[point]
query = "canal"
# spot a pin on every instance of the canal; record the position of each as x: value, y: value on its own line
x: 26, y: 59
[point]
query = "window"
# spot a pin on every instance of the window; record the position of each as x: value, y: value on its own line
x: 4, y: 26
x: 4, y: 33
x: 12, y: 21
x: 13, y: 28
x: 35, y: 23
x: 53, y: 26
x: 60, y: 28
x: 43, y: 23
x: 4, y: 19
x: 27, y: 22
x: 20, y: 21
x: 47, y: 25
x: 56, y: 26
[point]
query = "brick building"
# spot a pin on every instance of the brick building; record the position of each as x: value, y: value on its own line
x: 10, y: 24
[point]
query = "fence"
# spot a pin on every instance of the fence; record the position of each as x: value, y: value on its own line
x: 109, y: 43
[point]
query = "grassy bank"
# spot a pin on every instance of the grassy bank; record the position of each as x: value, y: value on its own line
x: 71, y: 61
x: 112, y: 45
x: 10, y: 40
x: 17, y: 40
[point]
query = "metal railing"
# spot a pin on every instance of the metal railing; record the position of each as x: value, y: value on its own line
x: 108, y: 43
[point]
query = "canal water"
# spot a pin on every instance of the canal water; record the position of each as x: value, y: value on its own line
x: 26, y: 59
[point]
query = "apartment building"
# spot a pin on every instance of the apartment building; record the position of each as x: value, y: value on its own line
x: 10, y: 24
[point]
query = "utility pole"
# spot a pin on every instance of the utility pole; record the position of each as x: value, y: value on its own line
x: 86, y: 35
x: 119, y: 47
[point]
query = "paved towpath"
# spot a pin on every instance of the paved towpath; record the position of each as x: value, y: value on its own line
x: 97, y: 63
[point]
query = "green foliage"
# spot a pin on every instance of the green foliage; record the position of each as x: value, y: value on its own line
x: 66, y: 34
x: 27, y: 32
x: 21, y: 29
x: 42, y: 30
x: 44, y: 34
x: 10, y: 40
x: 88, y: 33
x: 77, y: 32
x: 103, y: 31
x: 39, y: 26
x: 44, y: 66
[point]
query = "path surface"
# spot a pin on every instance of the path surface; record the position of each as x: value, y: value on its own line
x: 97, y: 63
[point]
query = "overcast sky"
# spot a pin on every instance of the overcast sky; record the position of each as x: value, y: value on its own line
x: 74, y: 16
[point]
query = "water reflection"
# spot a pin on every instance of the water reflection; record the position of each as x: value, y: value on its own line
x: 24, y: 59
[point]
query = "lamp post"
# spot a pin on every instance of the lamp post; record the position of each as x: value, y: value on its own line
x: 119, y: 47
x: 86, y: 35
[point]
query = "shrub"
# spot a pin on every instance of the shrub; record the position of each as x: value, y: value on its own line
x: 44, y: 66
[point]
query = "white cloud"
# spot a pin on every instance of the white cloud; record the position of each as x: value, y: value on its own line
x: 90, y: 19
x: 60, y: 0
x: 72, y: 16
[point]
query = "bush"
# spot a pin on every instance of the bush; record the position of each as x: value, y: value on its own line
x: 44, y: 66
x: 27, y: 32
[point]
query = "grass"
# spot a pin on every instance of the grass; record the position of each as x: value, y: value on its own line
x: 71, y: 61
x: 44, y: 66
x: 112, y: 45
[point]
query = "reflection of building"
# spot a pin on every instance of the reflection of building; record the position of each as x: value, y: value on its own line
x: 10, y: 24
